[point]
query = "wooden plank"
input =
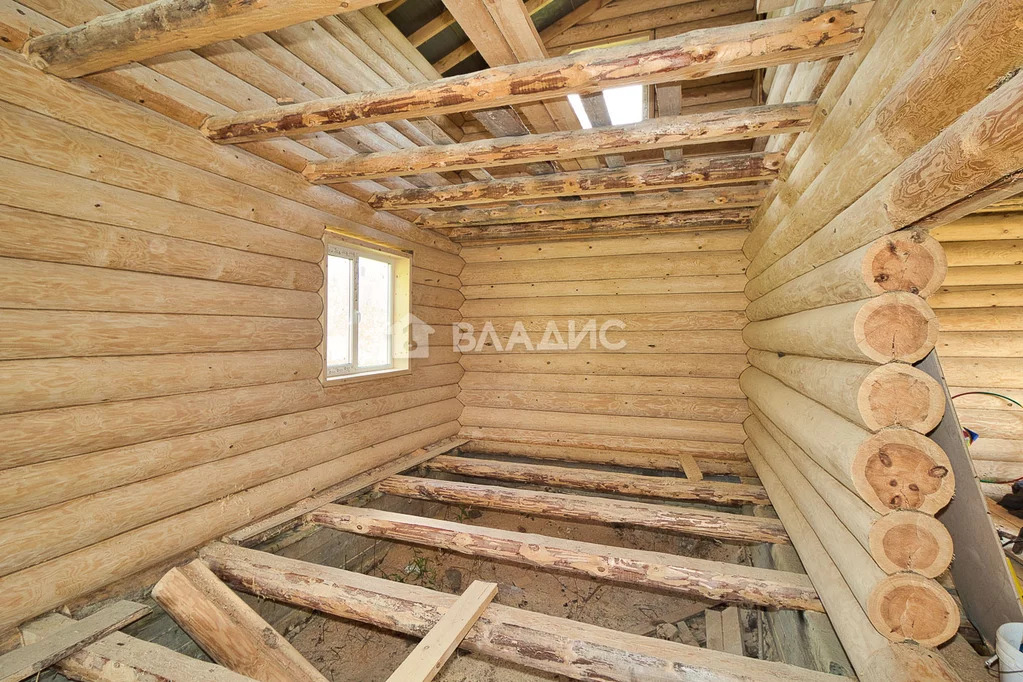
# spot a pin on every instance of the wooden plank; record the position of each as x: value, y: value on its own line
x: 167, y: 26
x: 600, y: 509
x: 556, y: 645
x: 731, y: 631
x: 695, y: 578
x: 72, y: 637
x: 690, y: 172
x: 134, y: 660
x: 984, y: 582
x: 265, y: 529
x: 641, y: 204
x: 433, y: 651
x: 662, y: 487
x: 810, y: 35
x: 228, y: 629
x: 714, y: 630
x: 734, y: 124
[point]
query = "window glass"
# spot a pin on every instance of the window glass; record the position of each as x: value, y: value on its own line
x: 375, y: 297
x: 340, y: 282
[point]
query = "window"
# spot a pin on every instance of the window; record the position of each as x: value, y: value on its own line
x: 367, y: 292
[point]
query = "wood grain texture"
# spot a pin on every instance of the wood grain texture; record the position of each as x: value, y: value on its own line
x: 704, y: 523
x: 228, y: 629
x: 539, y: 641
x: 810, y: 35
x: 684, y: 575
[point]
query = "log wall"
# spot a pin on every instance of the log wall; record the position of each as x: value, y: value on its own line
x: 672, y: 388
x: 980, y: 308
x: 159, y: 366
x: 918, y: 119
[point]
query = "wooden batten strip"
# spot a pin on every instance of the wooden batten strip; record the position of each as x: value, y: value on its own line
x: 654, y: 203
x: 658, y: 133
x: 723, y: 526
x: 34, y: 657
x: 689, y: 172
x: 556, y: 645
x: 711, y: 492
x: 166, y: 26
x: 433, y: 651
x: 133, y: 659
x: 698, y: 578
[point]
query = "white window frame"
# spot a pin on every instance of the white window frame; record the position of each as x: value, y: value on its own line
x: 398, y: 303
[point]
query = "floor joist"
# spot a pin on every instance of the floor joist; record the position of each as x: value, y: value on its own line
x: 555, y: 645
x: 639, y: 204
x: 689, y: 172
x: 720, y: 525
x: 695, y: 578
x: 804, y: 36
x: 658, y: 133
x: 663, y: 487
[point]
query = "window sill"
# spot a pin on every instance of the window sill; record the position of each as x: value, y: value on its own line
x: 363, y: 376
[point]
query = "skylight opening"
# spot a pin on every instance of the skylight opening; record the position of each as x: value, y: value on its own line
x: 624, y: 105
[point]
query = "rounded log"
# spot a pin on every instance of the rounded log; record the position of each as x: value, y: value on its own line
x: 897, y: 540
x: 909, y: 260
x: 894, y: 468
x: 873, y: 396
x: 910, y: 541
x: 903, y: 606
x: 894, y: 326
x: 907, y: 606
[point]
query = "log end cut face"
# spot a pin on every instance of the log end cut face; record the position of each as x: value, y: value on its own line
x: 911, y: 607
x: 901, y: 469
x: 910, y: 261
x: 896, y: 327
x: 900, y: 395
x: 911, y: 541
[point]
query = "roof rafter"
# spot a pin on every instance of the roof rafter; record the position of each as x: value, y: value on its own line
x: 167, y: 26
x: 811, y: 35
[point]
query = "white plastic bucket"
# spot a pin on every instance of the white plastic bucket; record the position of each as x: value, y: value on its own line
x: 1010, y: 658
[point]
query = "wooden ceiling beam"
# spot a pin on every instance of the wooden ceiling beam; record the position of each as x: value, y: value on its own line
x: 167, y: 26
x: 604, y: 227
x: 637, y: 204
x: 734, y: 124
x: 696, y: 171
x: 811, y: 35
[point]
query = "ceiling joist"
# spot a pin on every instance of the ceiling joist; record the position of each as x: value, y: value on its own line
x: 167, y: 26
x: 660, y: 223
x: 810, y: 35
x: 661, y: 133
x: 640, y: 204
x: 693, y: 171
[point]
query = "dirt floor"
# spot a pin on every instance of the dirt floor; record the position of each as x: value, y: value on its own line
x: 344, y: 650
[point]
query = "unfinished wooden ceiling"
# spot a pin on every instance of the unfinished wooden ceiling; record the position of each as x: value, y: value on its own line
x: 496, y: 154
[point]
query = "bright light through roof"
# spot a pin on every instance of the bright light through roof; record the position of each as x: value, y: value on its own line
x: 580, y: 112
x: 625, y: 104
